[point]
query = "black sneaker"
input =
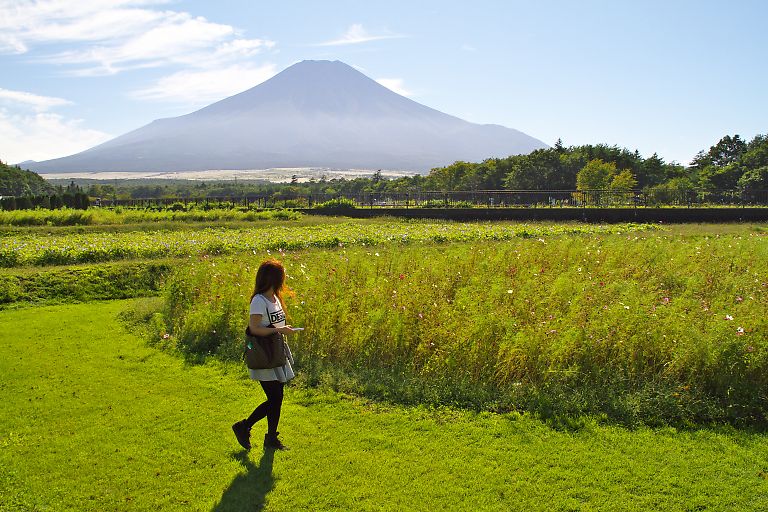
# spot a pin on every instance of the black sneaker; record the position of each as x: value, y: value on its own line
x: 271, y: 442
x: 243, y: 434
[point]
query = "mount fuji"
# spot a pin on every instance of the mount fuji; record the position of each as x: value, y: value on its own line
x: 312, y: 114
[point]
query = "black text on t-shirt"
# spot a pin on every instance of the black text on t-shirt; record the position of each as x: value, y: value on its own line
x: 276, y: 317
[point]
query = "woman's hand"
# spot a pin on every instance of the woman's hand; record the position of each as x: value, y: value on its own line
x: 287, y: 329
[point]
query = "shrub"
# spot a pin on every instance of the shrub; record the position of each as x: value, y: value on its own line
x: 24, y: 203
x: 338, y: 205
x: 8, y: 203
x: 441, y: 203
x: 300, y: 202
x: 177, y: 207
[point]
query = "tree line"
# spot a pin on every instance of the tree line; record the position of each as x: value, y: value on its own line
x: 25, y: 190
x: 731, y: 164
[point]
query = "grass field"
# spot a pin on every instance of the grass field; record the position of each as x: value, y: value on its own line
x: 93, y: 419
x: 636, y: 324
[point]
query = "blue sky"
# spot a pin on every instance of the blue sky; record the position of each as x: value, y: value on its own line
x: 670, y: 77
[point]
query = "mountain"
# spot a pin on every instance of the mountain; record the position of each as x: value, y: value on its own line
x: 312, y: 114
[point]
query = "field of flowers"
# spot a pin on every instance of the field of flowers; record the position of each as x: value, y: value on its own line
x: 640, y: 327
x: 63, y: 248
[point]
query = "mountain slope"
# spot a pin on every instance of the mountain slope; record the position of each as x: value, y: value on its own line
x: 313, y: 114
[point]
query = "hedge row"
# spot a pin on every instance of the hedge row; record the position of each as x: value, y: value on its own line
x: 78, y: 200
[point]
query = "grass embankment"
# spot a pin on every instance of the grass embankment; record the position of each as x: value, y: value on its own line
x: 82, y: 283
x: 639, y: 327
x: 102, y: 422
x: 99, y: 216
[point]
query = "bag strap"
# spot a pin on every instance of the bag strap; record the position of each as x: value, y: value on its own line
x: 266, y: 309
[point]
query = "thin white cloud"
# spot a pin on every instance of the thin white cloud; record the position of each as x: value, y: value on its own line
x: 10, y: 44
x: 29, y: 132
x: 110, y: 36
x: 24, y: 22
x: 200, y: 87
x: 43, y: 135
x: 395, y: 85
x: 35, y: 101
x: 356, y: 34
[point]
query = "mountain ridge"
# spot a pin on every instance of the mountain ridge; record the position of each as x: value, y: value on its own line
x: 312, y: 114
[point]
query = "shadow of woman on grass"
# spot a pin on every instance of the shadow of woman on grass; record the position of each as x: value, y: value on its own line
x: 248, y: 491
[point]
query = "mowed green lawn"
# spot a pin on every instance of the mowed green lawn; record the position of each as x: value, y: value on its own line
x: 93, y: 419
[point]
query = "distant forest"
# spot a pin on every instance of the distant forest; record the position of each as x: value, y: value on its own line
x: 24, y: 190
x: 731, y: 164
x: 17, y: 182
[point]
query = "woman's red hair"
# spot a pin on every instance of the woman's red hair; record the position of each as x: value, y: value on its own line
x: 271, y: 274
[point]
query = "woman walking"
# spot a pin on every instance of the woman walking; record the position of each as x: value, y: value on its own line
x: 267, y: 316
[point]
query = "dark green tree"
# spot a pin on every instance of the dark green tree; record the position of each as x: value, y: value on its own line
x: 24, y: 203
x: 728, y: 150
x: 754, y: 179
x: 8, y: 203
x: 756, y: 154
x: 726, y: 177
x: 653, y: 172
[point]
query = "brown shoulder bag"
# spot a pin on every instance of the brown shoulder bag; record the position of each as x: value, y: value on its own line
x: 264, y: 352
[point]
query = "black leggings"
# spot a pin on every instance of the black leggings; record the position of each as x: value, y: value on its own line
x: 271, y: 408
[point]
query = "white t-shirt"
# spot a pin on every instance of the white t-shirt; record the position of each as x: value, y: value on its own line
x: 271, y: 314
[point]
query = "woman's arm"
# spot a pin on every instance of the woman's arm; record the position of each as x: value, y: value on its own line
x: 256, y: 329
x: 254, y: 325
